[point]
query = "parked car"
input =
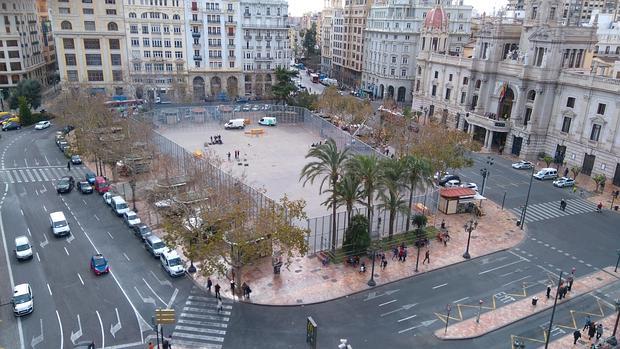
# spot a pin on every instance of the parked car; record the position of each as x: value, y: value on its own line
x: 11, y: 125
x: 101, y: 185
x: 453, y: 183
x: 85, y: 188
x: 522, y: 165
x: 99, y: 264
x: 90, y: 177
x: 449, y: 177
x: 68, y: 129
x: 546, y: 173
x: 107, y: 197
x: 473, y: 186
x: 65, y: 185
x: 564, y: 182
x: 23, y: 249
x: 142, y: 231
x: 255, y: 107
x: 246, y: 108
x: 41, y: 125
x: 76, y: 160
x: 154, y: 245
x: 131, y: 218
x: 22, y: 301
x: 172, y: 263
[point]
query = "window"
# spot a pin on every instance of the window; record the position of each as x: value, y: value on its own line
x: 601, y: 109
x: 596, y: 132
x: 570, y: 102
x: 112, y: 26
x: 132, y: 15
x: 133, y: 29
x: 117, y: 75
x: 64, y: 10
x: 137, y: 66
x: 72, y: 75
x: 463, y: 95
x: 528, y: 116
x: 115, y: 44
x: 70, y: 59
x: 145, y: 29
x: 89, y: 25
x: 88, y: 11
x: 95, y: 75
x: 66, y: 25
x: 566, y: 124
x: 147, y: 54
x: 531, y: 95
x: 436, y: 74
x: 434, y: 90
x: 448, y: 91
x: 110, y: 12
x: 146, y: 42
x: 93, y: 59
x: 15, y: 66
x: 465, y: 81
x: 68, y: 43
x: 91, y: 44
x: 449, y: 78
x: 115, y: 59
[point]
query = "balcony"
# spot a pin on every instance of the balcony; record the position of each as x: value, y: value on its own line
x: 268, y: 37
x: 215, y: 57
x: 488, y: 123
x: 198, y: 58
x: 264, y: 59
x: 279, y: 37
x: 231, y: 34
x: 247, y: 37
x: 195, y: 34
x: 196, y: 46
x: 231, y: 23
x: 258, y: 38
x: 214, y: 44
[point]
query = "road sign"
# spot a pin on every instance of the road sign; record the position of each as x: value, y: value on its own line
x: 311, y: 332
x: 164, y: 316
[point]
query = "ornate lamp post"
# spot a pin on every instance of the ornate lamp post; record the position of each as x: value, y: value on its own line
x: 373, y: 250
x: 486, y: 172
x: 469, y: 227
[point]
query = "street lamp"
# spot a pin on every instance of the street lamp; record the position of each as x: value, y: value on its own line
x: 555, y: 302
x: 485, y: 172
x: 373, y: 250
x: 527, y: 200
x: 617, y: 318
x: 614, y: 196
x: 479, y: 311
x: 469, y: 227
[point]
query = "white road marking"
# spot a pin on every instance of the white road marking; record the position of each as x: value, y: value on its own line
x: 500, y: 267
x: 511, y: 282
x: 111, y: 237
x: 174, y: 296
x: 460, y: 300
x: 38, y: 258
x: 28, y: 230
x: 116, y: 327
x: 386, y: 303
x: 407, y: 318
x: 44, y: 208
x: 547, y: 270
x: 126, y: 257
x: 78, y: 334
x: 80, y: 277
x: 102, y: 333
x: 62, y: 337
x: 22, y: 211
x: 514, y: 254
x: 158, y: 297
x: 438, y: 286
x: 97, y: 218
x: 84, y: 201
x: 46, y: 160
x: 49, y: 289
x: 66, y: 251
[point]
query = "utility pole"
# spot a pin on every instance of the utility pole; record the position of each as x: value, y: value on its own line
x: 527, y: 200
x: 555, y: 302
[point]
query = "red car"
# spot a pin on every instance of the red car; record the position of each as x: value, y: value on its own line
x: 99, y: 264
x: 101, y: 185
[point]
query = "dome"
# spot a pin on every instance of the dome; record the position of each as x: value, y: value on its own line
x: 436, y: 19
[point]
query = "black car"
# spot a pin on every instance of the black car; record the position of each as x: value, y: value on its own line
x: 85, y: 188
x: 11, y: 126
x: 447, y: 178
x: 76, y: 160
x: 65, y: 184
x: 142, y: 230
x: 84, y: 345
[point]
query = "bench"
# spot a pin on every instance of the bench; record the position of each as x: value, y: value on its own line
x: 323, y: 258
x: 255, y: 132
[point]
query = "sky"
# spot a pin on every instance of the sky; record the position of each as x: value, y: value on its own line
x: 299, y: 7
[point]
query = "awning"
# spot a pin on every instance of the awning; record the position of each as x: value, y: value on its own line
x: 479, y: 197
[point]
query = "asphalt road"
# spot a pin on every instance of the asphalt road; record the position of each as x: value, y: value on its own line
x: 71, y: 303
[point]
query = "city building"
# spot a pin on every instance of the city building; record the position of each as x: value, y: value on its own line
x: 347, y: 45
x: 21, y: 50
x: 90, y: 44
x: 47, y: 42
x: 155, y: 37
x: 606, y: 55
x: 526, y: 90
x: 394, y: 34
x: 325, y: 34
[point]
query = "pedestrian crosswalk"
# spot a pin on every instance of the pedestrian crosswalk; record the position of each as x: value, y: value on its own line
x: 550, y: 210
x: 200, y: 325
x: 40, y: 174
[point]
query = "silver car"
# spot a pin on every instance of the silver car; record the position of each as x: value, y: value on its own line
x: 563, y: 182
x: 522, y: 165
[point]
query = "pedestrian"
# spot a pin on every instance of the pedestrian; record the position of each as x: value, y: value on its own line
x: 211, y: 139
x: 576, y: 335
x: 566, y: 172
x: 599, y: 331
x: 248, y: 290
x: 400, y: 254
x: 570, y: 282
x: 587, y: 322
x: 232, y: 287
x: 209, y: 284
x: 362, y: 268
x: 599, y: 207
x: 228, y: 156
x: 562, y: 205
x: 384, y: 264
x: 217, y: 291
x: 548, y: 291
x: 151, y: 346
x: 404, y: 254
x: 591, y: 330
x: 394, y: 252
x: 244, y: 289
x: 427, y: 257
x: 69, y: 165
x: 219, y: 305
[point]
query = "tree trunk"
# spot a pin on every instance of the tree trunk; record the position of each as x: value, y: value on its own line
x: 392, y: 218
x: 349, y: 209
x: 409, y: 208
x: 132, y: 185
x: 370, y: 216
x: 334, y: 218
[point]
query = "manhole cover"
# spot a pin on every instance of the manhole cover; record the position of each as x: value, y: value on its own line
x: 325, y: 277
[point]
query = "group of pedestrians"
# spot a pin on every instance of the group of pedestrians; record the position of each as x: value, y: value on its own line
x: 237, y: 154
x: 217, y: 139
x: 400, y: 252
x: 593, y: 329
x: 245, y: 288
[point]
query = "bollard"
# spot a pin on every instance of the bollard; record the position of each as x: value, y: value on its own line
x: 534, y: 300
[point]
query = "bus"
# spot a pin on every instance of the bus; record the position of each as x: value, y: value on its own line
x: 122, y: 106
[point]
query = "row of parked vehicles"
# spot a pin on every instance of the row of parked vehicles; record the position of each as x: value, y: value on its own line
x: 545, y: 174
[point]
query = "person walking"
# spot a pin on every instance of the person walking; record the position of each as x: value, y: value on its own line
x: 217, y: 291
x: 394, y: 252
x: 566, y: 172
x: 587, y: 322
x: 209, y: 284
x: 69, y: 165
x: 576, y: 335
x: 232, y: 287
x: 427, y: 257
x: 219, y: 305
x: 548, y: 291
x: 405, y: 254
x: 151, y: 346
x: 599, y: 331
x: 591, y: 330
x: 570, y: 282
x: 562, y: 205
x: 599, y: 207
x: 383, y: 263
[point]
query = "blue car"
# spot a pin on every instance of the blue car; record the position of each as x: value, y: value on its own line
x: 99, y: 264
x: 90, y: 177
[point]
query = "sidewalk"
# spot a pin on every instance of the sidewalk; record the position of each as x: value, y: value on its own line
x: 506, y: 315
x: 567, y: 341
x: 308, y: 281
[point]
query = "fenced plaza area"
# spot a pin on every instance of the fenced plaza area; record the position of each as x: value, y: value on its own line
x: 271, y: 158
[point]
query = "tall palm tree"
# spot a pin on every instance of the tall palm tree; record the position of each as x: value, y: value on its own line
x: 328, y: 163
x: 391, y: 185
x: 417, y: 170
x: 368, y: 170
x: 348, y: 193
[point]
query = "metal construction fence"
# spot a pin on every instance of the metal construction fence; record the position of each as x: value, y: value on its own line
x: 320, y: 227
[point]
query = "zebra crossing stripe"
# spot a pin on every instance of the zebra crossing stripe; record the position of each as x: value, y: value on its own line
x: 207, y: 311
x: 44, y: 175
x: 200, y: 329
x: 200, y: 345
x: 201, y: 323
x: 197, y: 336
x: 29, y: 173
x: 36, y: 174
x: 16, y: 174
x: 205, y: 317
x: 201, y: 303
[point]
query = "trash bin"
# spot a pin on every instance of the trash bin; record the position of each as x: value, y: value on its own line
x: 616, y: 208
x: 534, y: 300
x: 518, y: 223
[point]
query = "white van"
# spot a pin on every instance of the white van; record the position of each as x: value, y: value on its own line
x: 119, y: 206
x: 546, y: 173
x: 235, y: 123
x: 59, y: 224
x: 268, y: 121
x: 171, y: 262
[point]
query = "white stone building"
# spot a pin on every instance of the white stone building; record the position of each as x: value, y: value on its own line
x: 327, y: 24
x: 526, y: 90
x: 393, y: 37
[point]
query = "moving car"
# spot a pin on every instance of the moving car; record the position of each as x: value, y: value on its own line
x: 546, y: 173
x: 448, y: 177
x: 131, y: 218
x: 473, y: 186
x: 85, y: 188
x: 142, y: 231
x: 76, y: 160
x: 65, y: 185
x: 22, y: 301
x: 90, y: 178
x: 235, y: 123
x: 268, y: 121
x: 564, y: 182
x: 171, y: 262
x: 41, y: 125
x: 59, y: 224
x: 23, y: 249
x: 11, y: 125
x: 99, y: 264
x: 453, y: 183
x: 522, y: 165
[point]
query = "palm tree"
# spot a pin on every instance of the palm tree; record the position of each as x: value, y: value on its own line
x: 416, y: 171
x: 348, y: 193
x: 329, y: 164
x: 367, y: 169
x: 391, y: 183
